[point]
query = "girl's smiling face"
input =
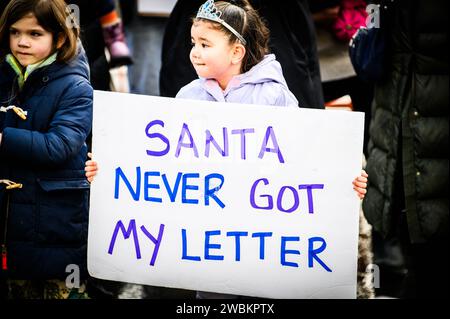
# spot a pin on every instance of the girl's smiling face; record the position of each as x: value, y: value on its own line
x: 212, y: 54
x: 29, y: 42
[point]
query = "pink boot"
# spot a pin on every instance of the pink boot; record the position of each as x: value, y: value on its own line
x: 115, y: 42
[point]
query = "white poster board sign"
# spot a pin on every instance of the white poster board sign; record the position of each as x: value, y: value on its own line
x: 231, y: 198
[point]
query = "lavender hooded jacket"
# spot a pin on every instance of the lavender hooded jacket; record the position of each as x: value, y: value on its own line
x: 263, y: 84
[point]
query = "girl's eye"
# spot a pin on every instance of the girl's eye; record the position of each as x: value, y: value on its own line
x: 13, y: 32
x: 192, y: 44
x: 35, y: 34
x: 204, y: 45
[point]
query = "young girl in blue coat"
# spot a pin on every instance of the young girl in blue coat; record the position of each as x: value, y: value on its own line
x: 45, y: 117
x: 229, y: 54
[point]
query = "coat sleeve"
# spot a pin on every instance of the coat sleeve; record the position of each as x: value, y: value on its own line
x: 67, y: 131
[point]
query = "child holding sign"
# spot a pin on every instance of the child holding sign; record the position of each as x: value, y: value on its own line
x: 229, y: 53
x: 45, y: 117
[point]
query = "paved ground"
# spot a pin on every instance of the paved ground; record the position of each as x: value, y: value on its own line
x: 131, y: 291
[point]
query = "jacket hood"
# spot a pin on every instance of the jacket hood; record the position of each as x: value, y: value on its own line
x: 77, y: 66
x: 268, y: 70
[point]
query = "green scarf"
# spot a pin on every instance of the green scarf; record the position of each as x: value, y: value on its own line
x: 22, y: 76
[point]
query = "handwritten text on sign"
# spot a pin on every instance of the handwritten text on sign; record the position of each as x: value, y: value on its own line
x: 225, y: 198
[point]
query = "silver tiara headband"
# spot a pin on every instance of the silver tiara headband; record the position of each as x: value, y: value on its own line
x: 209, y: 11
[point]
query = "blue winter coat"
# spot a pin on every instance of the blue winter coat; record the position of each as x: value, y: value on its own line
x: 263, y: 84
x: 46, y: 223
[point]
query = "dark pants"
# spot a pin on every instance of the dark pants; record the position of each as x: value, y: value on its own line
x: 410, y: 270
x: 427, y: 266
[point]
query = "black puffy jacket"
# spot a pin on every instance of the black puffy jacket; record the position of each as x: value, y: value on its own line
x: 409, y: 127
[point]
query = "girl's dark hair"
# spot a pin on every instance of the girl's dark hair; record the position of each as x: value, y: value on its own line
x: 240, y: 15
x: 52, y: 15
